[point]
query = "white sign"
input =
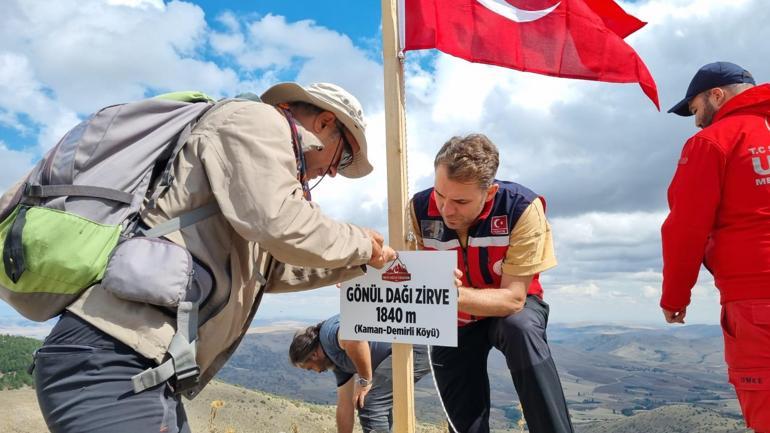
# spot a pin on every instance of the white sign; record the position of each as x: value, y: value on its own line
x: 412, y: 300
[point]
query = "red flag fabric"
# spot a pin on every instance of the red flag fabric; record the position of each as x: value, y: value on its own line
x: 615, y: 18
x: 566, y: 38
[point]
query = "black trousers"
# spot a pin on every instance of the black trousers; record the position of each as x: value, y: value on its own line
x: 463, y: 383
x: 83, y: 385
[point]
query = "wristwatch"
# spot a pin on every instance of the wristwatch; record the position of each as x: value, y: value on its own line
x: 361, y: 381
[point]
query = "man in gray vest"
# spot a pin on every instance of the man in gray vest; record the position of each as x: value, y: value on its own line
x: 363, y: 370
x: 253, y: 161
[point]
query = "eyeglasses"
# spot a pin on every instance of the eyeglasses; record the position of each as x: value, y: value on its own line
x: 346, y: 158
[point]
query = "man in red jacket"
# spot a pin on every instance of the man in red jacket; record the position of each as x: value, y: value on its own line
x: 720, y: 216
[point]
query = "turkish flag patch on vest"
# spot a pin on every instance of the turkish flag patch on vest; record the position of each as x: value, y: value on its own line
x: 500, y: 225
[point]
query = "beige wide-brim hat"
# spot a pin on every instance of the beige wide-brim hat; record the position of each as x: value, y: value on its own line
x: 333, y: 98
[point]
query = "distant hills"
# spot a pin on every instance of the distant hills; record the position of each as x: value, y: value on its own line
x: 670, y: 419
x: 618, y: 379
x: 16, y: 325
x: 611, y: 374
x: 220, y: 408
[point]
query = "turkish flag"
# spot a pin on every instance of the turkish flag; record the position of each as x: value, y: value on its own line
x: 615, y: 18
x: 568, y: 38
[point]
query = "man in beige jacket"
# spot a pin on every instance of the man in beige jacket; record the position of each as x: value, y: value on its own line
x: 253, y: 161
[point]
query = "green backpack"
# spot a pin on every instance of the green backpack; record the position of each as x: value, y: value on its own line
x: 77, y: 203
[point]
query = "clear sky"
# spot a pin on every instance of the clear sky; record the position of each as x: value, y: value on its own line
x: 600, y: 153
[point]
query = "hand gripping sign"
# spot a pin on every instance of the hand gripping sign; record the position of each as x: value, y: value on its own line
x: 413, y: 300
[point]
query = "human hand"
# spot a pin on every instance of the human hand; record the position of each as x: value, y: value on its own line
x: 389, y: 254
x: 675, y: 316
x: 375, y: 236
x: 458, y: 278
x: 378, y: 248
x: 385, y: 255
x: 359, y: 394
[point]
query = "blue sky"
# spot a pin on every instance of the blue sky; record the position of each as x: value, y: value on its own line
x: 599, y: 153
x: 356, y: 18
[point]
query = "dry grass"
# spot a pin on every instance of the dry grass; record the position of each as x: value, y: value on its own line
x: 224, y: 408
x: 220, y: 408
x: 19, y: 412
x: 670, y: 419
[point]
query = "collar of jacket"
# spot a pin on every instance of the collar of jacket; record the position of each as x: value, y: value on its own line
x: 754, y: 100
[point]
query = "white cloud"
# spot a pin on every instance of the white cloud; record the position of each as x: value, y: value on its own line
x: 589, y: 289
x: 272, y: 44
x: 141, y: 4
x: 681, y: 11
x: 651, y: 292
x: 22, y: 94
x: 102, y: 53
x: 13, y: 165
x: 603, y: 227
x: 705, y: 290
x: 315, y: 305
x: 599, y: 152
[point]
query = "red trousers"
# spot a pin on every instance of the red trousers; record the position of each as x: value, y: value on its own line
x: 746, y: 329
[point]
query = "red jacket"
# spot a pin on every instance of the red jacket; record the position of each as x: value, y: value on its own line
x: 720, y: 206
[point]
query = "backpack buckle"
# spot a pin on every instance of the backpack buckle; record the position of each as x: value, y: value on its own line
x: 167, y: 179
x: 32, y: 190
x: 186, y: 379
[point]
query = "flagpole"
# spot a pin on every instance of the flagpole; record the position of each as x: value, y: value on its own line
x: 395, y: 148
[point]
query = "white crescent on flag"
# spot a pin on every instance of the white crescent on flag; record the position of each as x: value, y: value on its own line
x: 500, y: 7
x: 507, y: 10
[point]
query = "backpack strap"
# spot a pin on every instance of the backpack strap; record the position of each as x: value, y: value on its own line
x: 165, y: 179
x: 178, y: 223
x: 13, y: 249
x: 181, y: 366
x: 46, y: 191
